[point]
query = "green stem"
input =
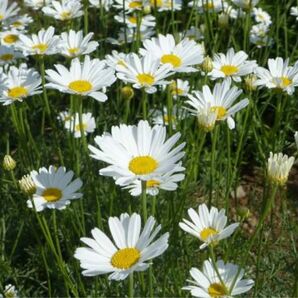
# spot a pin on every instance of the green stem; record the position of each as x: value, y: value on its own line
x: 144, y: 104
x: 130, y: 286
x: 144, y: 201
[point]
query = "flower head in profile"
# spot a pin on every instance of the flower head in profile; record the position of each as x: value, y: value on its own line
x: 296, y: 138
x: 246, y: 4
x: 208, y: 226
x: 137, y: 152
x: 8, y: 55
x: 87, y: 125
x: 145, y: 72
x: 131, y: 21
x: 220, y: 101
x: 280, y: 75
x: 36, y: 4
x: 64, y: 10
x: 214, y: 6
x: 165, y: 5
x: 84, y: 79
x: 7, y: 11
x: 73, y: 44
x: 232, y: 65
x: 54, y: 188
x: 10, y: 291
x: 19, y: 83
x: 129, y: 251
x: 182, y: 56
x: 278, y: 167
x: 207, y: 283
x: 167, y: 181
x: 42, y: 43
x: 106, y: 4
x: 128, y: 5
x: 179, y: 88
x: 294, y: 12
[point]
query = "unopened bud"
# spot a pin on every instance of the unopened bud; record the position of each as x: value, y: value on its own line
x: 147, y: 9
x: 207, y: 65
x: 8, y: 163
x: 127, y: 93
x: 243, y: 212
x: 223, y: 20
x: 27, y: 185
x: 249, y: 82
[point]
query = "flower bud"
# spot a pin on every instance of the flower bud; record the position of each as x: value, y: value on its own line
x: 8, y: 163
x: 147, y: 9
x: 249, y: 82
x: 127, y: 93
x: 223, y: 20
x: 243, y: 212
x: 207, y: 65
x: 27, y: 185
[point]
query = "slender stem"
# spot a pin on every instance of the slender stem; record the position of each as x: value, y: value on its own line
x: 170, y: 109
x: 144, y: 201
x: 144, y: 104
x: 130, y: 286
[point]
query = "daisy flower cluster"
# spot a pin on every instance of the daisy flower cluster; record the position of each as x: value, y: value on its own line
x: 217, y: 278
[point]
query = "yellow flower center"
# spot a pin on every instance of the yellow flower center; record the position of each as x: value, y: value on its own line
x: 158, y: 3
x: 172, y: 59
x: 207, y: 232
x: 132, y: 20
x: 17, y: 92
x: 73, y: 51
x: 6, y: 57
x: 1, y: 17
x: 167, y: 118
x: 125, y: 258
x: 209, y: 5
x: 135, y: 4
x: 11, y: 38
x: 279, y: 180
x: 217, y: 290
x: 145, y: 79
x: 17, y: 24
x: 52, y: 194
x: 65, y: 15
x: 80, y: 86
x: 82, y: 126
x: 221, y: 111
x: 152, y: 183
x: 285, y: 82
x: 41, y: 47
x: 143, y: 165
x: 229, y: 70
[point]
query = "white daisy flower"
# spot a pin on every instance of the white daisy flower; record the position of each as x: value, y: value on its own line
x: 215, y: 6
x: 19, y: 83
x: 129, y: 5
x: 181, y: 56
x: 8, y: 11
x: 166, y: 5
x: 129, y: 251
x: 54, y: 188
x: 206, y: 118
x: 73, y: 44
x: 116, y: 59
x: 246, y: 4
x: 10, y: 38
x: 18, y: 22
x: 279, y: 76
x: 294, y: 12
x: 36, y: 4
x: 107, y: 4
x: 179, y: 88
x: 208, y: 226
x: 207, y: 283
x: 145, y: 72
x: 194, y: 33
x: 42, y: 43
x: 65, y: 10
x: 10, y: 291
x: 219, y: 101
x: 9, y: 55
x: 261, y: 16
x: 73, y: 124
x: 137, y: 152
x: 232, y: 65
x: 131, y: 21
x: 85, y: 79
x: 130, y: 36
x: 259, y: 35
x: 296, y: 138
x: 279, y: 167
x: 167, y: 181
x: 163, y: 117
